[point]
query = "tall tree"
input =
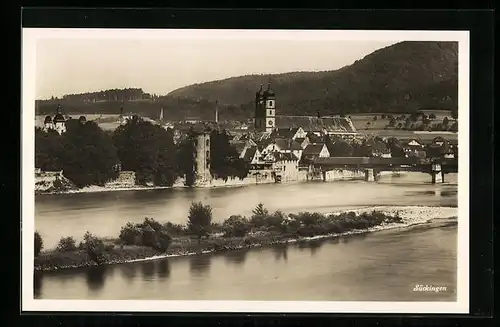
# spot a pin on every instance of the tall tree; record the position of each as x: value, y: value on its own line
x: 224, y: 159
x: 148, y: 150
x: 89, y: 155
x: 199, y: 219
x: 48, y: 150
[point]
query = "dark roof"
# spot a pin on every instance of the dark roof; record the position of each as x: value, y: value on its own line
x: 281, y: 143
x: 47, y: 120
x: 313, y: 149
x: 313, y: 138
x: 284, y: 132
x: 249, y: 154
x: 269, y: 92
x: 59, y: 118
x: 82, y: 119
x: 315, y: 124
x: 278, y: 156
x: 300, y: 140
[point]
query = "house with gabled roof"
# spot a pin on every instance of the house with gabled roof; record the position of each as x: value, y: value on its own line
x: 289, y: 133
x: 302, y: 141
x: 315, y: 150
x: 282, y: 146
x: 251, y: 155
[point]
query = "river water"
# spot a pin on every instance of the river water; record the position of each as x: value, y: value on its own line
x: 382, y: 266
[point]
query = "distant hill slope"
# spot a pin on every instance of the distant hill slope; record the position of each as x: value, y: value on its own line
x: 400, y: 78
x: 403, y: 77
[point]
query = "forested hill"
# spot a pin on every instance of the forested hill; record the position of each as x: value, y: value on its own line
x: 401, y: 78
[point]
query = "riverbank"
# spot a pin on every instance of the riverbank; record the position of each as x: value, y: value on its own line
x: 358, y: 221
x: 178, y: 185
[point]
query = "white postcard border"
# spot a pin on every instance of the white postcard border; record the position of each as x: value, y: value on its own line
x: 28, y: 303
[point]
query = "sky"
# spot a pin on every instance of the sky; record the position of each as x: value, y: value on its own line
x: 158, y: 66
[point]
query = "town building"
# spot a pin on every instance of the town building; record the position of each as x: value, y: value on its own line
x: 265, y: 110
x: 315, y: 150
x: 57, y: 123
x: 289, y: 133
x: 285, y: 167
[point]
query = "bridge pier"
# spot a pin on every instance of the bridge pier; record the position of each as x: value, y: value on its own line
x: 369, y: 175
x: 437, y: 174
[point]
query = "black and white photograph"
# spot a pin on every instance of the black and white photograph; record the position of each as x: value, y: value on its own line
x: 245, y: 170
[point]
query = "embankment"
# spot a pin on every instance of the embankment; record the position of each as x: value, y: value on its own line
x: 362, y: 220
x: 331, y: 176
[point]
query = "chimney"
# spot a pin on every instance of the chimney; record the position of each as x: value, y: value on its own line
x: 216, y: 111
x: 121, y: 112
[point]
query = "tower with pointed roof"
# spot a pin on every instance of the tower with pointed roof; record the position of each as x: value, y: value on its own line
x: 58, y: 123
x: 265, y: 109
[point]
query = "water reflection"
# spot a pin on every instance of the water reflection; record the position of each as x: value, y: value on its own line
x: 129, y: 271
x: 236, y: 257
x: 280, y: 252
x: 199, y: 264
x: 37, y: 284
x: 315, y: 245
x: 95, y: 277
x: 148, y: 270
x: 163, y: 269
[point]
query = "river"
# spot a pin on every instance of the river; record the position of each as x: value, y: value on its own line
x: 379, y: 266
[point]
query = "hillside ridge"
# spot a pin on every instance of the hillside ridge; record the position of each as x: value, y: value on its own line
x: 400, y: 78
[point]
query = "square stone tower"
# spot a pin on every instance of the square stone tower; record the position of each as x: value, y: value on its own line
x: 202, y: 158
x: 265, y: 110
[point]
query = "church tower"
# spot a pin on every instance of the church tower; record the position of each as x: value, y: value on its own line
x: 265, y: 109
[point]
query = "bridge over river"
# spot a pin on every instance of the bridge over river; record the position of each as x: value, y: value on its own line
x: 436, y: 167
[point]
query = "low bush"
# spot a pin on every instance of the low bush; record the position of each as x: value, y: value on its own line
x: 216, y: 227
x: 174, y: 229
x: 66, y: 244
x: 148, y: 233
x: 236, y: 226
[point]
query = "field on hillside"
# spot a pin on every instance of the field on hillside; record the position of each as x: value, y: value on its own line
x: 361, y: 120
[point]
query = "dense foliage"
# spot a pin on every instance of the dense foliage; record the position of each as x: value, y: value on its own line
x: 400, y: 78
x: 38, y: 243
x: 94, y: 247
x: 224, y: 159
x: 148, y: 150
x: 85, y: 153
x: 148, y: 233
x: 66, y: 244
x: 186, y: 160
x: 199, y: 219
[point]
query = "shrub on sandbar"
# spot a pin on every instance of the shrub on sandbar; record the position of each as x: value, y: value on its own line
x: 148, y: 233
x: 237, y: 226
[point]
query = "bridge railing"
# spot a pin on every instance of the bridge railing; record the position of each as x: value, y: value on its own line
x: 374, y: 161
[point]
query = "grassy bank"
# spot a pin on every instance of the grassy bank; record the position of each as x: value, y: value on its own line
x: 152, y: 239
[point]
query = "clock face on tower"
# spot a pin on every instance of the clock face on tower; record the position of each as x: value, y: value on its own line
x: 270, y: 123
